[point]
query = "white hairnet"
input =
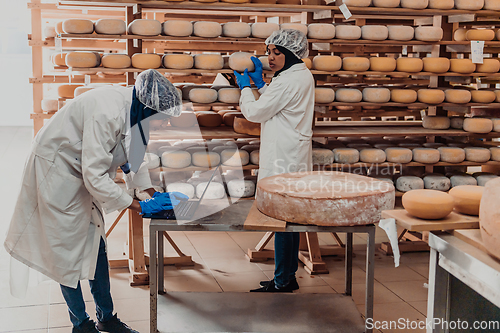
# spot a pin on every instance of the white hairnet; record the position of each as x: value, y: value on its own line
x: 156, y: 92
x: 293, y: 40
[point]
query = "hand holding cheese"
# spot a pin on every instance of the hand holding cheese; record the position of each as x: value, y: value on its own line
x: 243, y: 80
x: 256, y: 75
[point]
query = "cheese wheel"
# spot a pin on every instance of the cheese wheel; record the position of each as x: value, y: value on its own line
x: 229, y: 95
x: 184, y: 188
x: 346, y: 155
x: 376, y: 95
x: 254, y: 157
x: 478, y: 125
x: 414, y: 4
x: 469, y: 4
x: 436, y: 65
x: 428, y: 204
x: 437, y: 123
x: 441, y: 4
x: 386, y: 3
x: 477, y: 154
x: 239, y: 61
x: 241, y: 188
x: 358, y: 3
x: 50, y: 105
x: 460, y: 35
x: 497, y: 93
x: 382, y: 64
x: 228, y: 118
x: 344, y: 31
x: 355, y: 64
x: 429, y: 33
x: 372, y: 155
x: 236, y: 29
x: 78, y: 26
x: 374, y: 32
x: 81, y: 90
x: 177, y: 28
x: 208, y: 61
x: 495, y: 153
x: 185, y: 119
x: 458, y: 96
x: 426, y: 155
x: 59, y: 59
x: 207, y: 29
x: 234, y: 157
x: 409, y: 183
x: 496, y: 124
x: 433, y: 145
x: 295, y: 26
x: 146, y: 60
x: 59, y: 28
x: 452, y: 154
x: 401, y: 32
x: 144, y: 27
x: 114, y: 60
x: 176, y: 159
x: 264, y: 30
x: 492, y: 5
x: 110, y: 27
x: 250, y: 147
x: 348, y: 95
x: 67, y: 90
x: 483, y: 179
x: 202, y: 95
x: 49, y: 31
x: 307, y: 62
x: 488, y: 66
x: 457, y: 122
x: 324, y: 95
x: 467, y: 199
x: 243, y: 126
x: 431, y: 96
x: 403, y: 96
x: 152, y: 161
x: 265, y: 63
x: 321, y: 31
x: 321, y: 156
x: 410, y: 65
x: 235, y: 1
x: 437, y: 182
x: 463, y: 66
x: 327, y: 63
x: 459, y: 180
x: 178, y: 61
x: 398, y: 155
x: 205, y: 159
x: 83, y: 59
x: 480, y: 34
x: 483, y: 96
x: 214, y: 191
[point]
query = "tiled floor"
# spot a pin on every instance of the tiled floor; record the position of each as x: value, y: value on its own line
x: 221, y: 265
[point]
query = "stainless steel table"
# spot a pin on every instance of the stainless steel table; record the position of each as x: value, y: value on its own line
x: 232, y: 218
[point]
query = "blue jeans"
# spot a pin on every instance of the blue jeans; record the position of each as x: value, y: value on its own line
x: 100, y: 289
x: 286, y: 257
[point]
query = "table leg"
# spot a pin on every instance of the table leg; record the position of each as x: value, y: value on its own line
x: 153, y: 290
x: 348, y: 264
x: 370, y: 275
x: 161, y: 264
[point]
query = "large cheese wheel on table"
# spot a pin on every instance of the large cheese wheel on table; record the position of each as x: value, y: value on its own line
x: 410, y: 65
x: 403, y: 95
x: 236, y: 29
x: 239, y: 61
x: 483, y: 96
x: 310, y: 198
x: 478, y: 125
x: 414, y: 4
x: 469, y: 4
x: 477, y: 154
x: 441, y: 4
x: 78, y: 26
x: 428, y: 204
x: 229, y: 95
x: 480, y: 34
x: 467, y: 199
x: 426, y: 155
x: 146, y: 60
x: 492, y: 5
x: 398, y: 155
x: 115, y: 60
x: 208, y: 61
x: 431, y: 96
x: 488, y: 218
x: 346, y: 155
x: 67, y: 90
x: 321, y: 31
x: 324, y: 95
x: 429, y: 33
x: 386, y: 3
x: 458, y: 96
x: 207, y: 29
x: 401, y: 32
x: 243, y: 126
x: 374, y: 32
x: 376, y: 95
x: 344, y: 31
x: 83, y: 59
x: 348, y: 95
x: 144, y: 27
x: 435, y: 122
x: 264, y: 30
x: 295, y: 26
x: 110, y: 27
x: 178, y: 61
x: 488, y: 66
x: 202, y: 95
x: 327, y: 63
x: 177, y: 28
x: 382, y: 64
x: 356, y: 64
x: 463, y: 66
x: 436, y: 65
x: 186, y: 119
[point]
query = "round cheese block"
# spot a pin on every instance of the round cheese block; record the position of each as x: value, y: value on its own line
x: 496, y: 124
x: 463, y: 66
x: 208, y: 118
x: 184, y: 188
x: 49, y: 31
x: 236, y: 29
x: 50, y: 105
x: 234, y: 157
x: 264, y: 30
x: 229, y: 95
x: 410, y: 65
x: 228, y: 118
x: 81, y: 90
x: 483, y: 96
x: 467, y: 199
x: 176, y: 159
x: 324, y: 95
x: 441, y: 4
x: 497, y: 93
x: 83, y: 59
x: 409, y: 183
x: 488, y: 218
x: 426, y: 155
x: 495, y: 153
x: 460, y: 35
x: 452, y: 154
x: 205, y: 159
x: 144, y: 27
x: 372, y: 155
x: 115, y: 60
x: 429, y: 33
x: 458, y: 96
x: 398, y: 155
x: 480, y: 34
x: 376, y: 95
x: 436, y: 65
x: 177, y: 28
x: 306, y: 61
x: 321, y: 156
x: 355, y: 64
x: 382, y: 64
x: 374, y: 32
x: 327, y: 63
x: 67, y: 90
x: 457, y: 122
x: 110, y: 27
x: 437, y: 123
x: 386, y: 3
x: 358, y: 3
x: 152, y: 160
x: 437, y: 182
x: 310, y: 198
x: 401, y: 32
x: 428, y: 204
x: 488, y: 66
x: 214, y: 191
x: 492, y: 5
x: 431, y: 96
x: 477, y: 154
x: 344, y: 31
x: 59, y: 59
x: 208, y: 61
x: 414, y: 4
x: 185, y: 119
x: 403, y: 95
x: 78, y: 26
x: 469, y: 4
x: 348, y: 95
x: 321, y: 31
x: 478, y: 125
x: 146, y: 60
x: 462, y: 179
x: 265, y: 63
x: 240, y: 188
x: 59, y: 28
x: 294, y: 26
x: 243, y: 126
x: 254, y: 157
x: 239, y: 61
x: 207, y: 29
x: 178, y: 61
x: 483, y: 179
x: 202, y: 95
x: 346, y: 155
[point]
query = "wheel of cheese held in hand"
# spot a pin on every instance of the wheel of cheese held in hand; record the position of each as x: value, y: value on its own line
x: 435, y: 122
x: 67, y: 90
x: 243, y: 126
x: 488, y: 66
x: 203, y: 95
x: 146, y: 60
x: 78, y: 26
x: 426, y: 155
x: 382, y: 64
x: 239, y: 61
x: 144, y: 27
x: 429, y: 33
x: 234, y: 157
x: 59, y: 59
x: 414, y: 4
x: 355, y: 64
x: 263, y: 29
x: 295, y: 26
x: 374, y: 32
x: 452, y: 154
x: 208, y: 118
x: 480, y: 34
x: 208, y: 61
x: 467, y: 199
x: 186, y: 119
x: 410, y: 65
x: 348, y: 95
x: 488, y: 218
x: 477, y: 154
x: 236, y: 29
x: 324, y: 198
x: 483, y: 96
x: 398, y: 155
x: 207, y: 29
x: 376, y: 95
x: 436, y: 65
x: 428, y: 204
x: 110, y: 27
x: 386, y: 3
x: 115, y: 60
x: 321, y: 31
x: 401, y: 32
x: 463, y: 66
x: 441, y: 4
x: 177, y: 28
x: 469, y: 4
x: 178, y: 61
x: 327, y: 63
x: 344, y: 31
x: 492, y: 5
x: 478, y: 125
x: 229, y: 95
x: 431, y: 96
x: 458, y: 96
x: 83, y: 59
x: 324, y: 95
x: 403, y: 95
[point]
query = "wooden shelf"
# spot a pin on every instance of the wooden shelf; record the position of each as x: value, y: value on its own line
x: 196, y: 168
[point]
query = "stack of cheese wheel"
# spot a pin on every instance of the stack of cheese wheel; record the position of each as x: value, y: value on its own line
x: 175, y: 158
x: 488, y: 66
x: 59, y: 59
x: 452, y: 154
x: 185, y: 119
x: 344, y: 31
x: 356, y: 64
x: 178, y: 61
x: 146, y: 60
x: 458, y: 96
x: 436, y: 65
x: 469, y: 4
x: 414, y: 4
x: 346, y: 155
x: 78, y: 26
x: 264, y: 30
x: 110, y: 27
x: 322, y: 156
x: 115, y: 60
x: 67, y: 90
x: 239, y: 61
x: 144, y: 27
x: 327, y: 63
x: 382, y: 64
x: 208, y: 61
x: 207, y: 29
x: 398, y: 155
x: 236, y: 29
x: 177, y: 28
x: 324, y: 95
x: 403, y: 96
x: 431, y: 96
x: 321, y: 31
x: 483, y: 96
x: 428, y: 204
x: 374, y: 32
x: 348, y: 95
x: 83, y: 59
x: 463, y: 66
x: 478, y: 125
x: 401, y: 32
x: 496, y: 124
x: 229, y: 95
x: 295, y: 26
x: 410, y: 65
x: 203, y: 95
x: 429, y: 33
x: 243, y: 126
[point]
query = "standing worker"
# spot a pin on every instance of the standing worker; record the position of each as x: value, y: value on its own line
x: 58, y: 226
x: 285, y: 110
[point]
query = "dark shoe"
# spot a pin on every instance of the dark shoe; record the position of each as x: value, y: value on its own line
x: 292, y: 284
x: 87, y: 327
x: 114, y: 325
x: 272, y: 288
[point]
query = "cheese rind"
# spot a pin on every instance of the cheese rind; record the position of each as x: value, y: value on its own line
x: 67, y: 90
x: 178, y: 61
x: 177, y: 28
x: 229, y: 95
x: 441, y: 4
x: 426, y: 155
x: 146, y: 60
x: 239, y: 61
x: 114, y: 60
x: 428, y: 204
x: 477, y: 154
x: 240, y: 188
x: 59, y: 59
x: 409, y: 183
x: 495, y: 153
x: 414, y: 4
x: 467, y: 199
x: 469, y: 4
x: 460, y: 35
x: 437, y: 182
x: 208, y: 118
x: 372, y: 155
x: 176, y: 159
x: 457, y: 122
x: 431, y: 96
x: 401, y: 32
x: 344, y: 31
x: 478, y: 125
x: 480, y: 34
x: 184, y: 188
x: 243, y: 126
x: 327, y: 63
x: 234, y: 157
x: 207, y: 29
x: 410, y: 65
x: 459, y: 180
x: 458, y: 96
x: 321, y: 31
x: 321, y: 156
x: 355, y: 64
x: 254, y: 157
x: 429, y: 33
x: 376, y: 95
x: 324, y: 95
x: 483, y: 96
x: 462, y: 66
x: 346, y: 155
x: 83, y: 59
x: 208, y: 61
x: 144, y: 27
x: 186, y: 119
x: 374, y: 32
x: 236, y: 29
x: 382, y: 64
x: 488, y: 66
x: 358, y: 3
x: 78, y: 26
x: 386, y: 3
x: 398, y: 155
x: 205, y: 159
x: 296, y: 26
x: 263, y: 29
x: 492, y: 5
x: 403, y: 95
x: 433, y: 122
x: 348, y: 95
x: 436, y: 65
x: 452, y: 154
x: 214, y: 191
x: 110, y: 27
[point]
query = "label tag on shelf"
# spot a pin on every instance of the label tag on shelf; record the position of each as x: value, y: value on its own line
x: 87, y: 79
x: 329, y: 1
x: 477, y: 48
x: 478, y: 82
x: 345, y: 11
x: 322, y: 14
x: 405, y: 50
x: 58, y: 44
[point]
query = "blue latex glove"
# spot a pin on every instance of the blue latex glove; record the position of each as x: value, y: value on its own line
x: 243, y: 80
x: 175, y: 197
x: 126, y: 168
x: 161, y: 201
x: 256, y: 75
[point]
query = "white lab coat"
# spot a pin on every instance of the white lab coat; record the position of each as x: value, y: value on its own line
x: 58, y: 222
x: 285, y: 110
